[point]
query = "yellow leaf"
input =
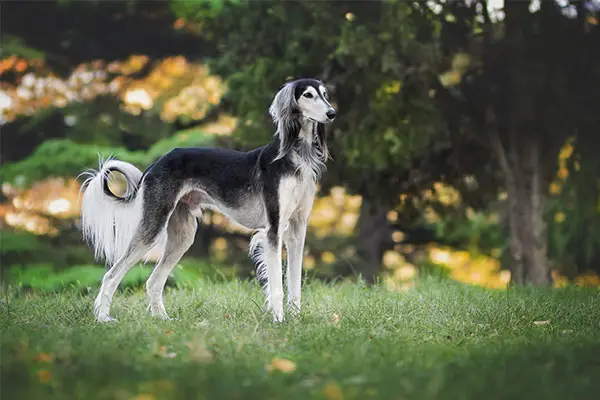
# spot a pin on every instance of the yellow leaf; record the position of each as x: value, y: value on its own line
x: 162, y: 352
x: 328, y: 257
x: 179, y: 23
x: 43, y: 358
x: 335, y: 319
x: 281, y: 365
x: 44, y: 376
x: 461, y: 62
x: 555, y: 188
x: 333, y: 391
x: 393, y: 88
x: 563, y: 173
x: 450, y: 78
x: 559, y: 217
x: 392, y: 216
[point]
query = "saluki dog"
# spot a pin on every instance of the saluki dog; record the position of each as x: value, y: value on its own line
x: 269, y: 189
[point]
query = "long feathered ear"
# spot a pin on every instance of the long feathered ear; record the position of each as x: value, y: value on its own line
x: 322, y: 141
x: 285, y: 114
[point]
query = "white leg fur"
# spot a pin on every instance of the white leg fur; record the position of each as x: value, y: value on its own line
x: 181, y: 232
x: 111, y: 281
x: 294, y: 244
x: 294, y: 238
x: 275, y: 279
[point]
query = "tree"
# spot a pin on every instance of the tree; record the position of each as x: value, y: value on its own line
x: 528, y: 89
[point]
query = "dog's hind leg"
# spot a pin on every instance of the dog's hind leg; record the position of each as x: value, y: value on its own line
x: 181, y: 231
x: 137, y: 249
x: 152, y: 226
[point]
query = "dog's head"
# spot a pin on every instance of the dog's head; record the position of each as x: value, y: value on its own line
x: 304, y: 97
x: 297, y: 102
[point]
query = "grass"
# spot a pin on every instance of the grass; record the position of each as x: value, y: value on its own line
x: 440, y: 340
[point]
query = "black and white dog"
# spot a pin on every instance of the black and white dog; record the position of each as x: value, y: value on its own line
x: 269, y: 189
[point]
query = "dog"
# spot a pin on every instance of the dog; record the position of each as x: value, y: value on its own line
x: 269, y: 189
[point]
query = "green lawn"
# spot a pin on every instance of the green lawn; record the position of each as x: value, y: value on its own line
x: 440, y: 340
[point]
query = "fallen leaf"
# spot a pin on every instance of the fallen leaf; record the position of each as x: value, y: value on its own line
x: 43, y: 358
x: 198, y: 352
x: 169, y: 332
x: 538, y: 323
x: 335, y: 319
x: 333, y: 391
x: 44, y: 375
x: 162, y: 352
x: 281, y: 365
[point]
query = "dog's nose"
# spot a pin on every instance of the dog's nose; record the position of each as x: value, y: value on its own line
x: 331, y: 113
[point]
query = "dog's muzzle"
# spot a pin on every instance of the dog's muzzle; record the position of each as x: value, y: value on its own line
x: 331, y: 114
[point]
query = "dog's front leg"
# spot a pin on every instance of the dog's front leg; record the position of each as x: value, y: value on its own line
x: 294, y: 244
x: 273, y: 247
x: 294, y: 238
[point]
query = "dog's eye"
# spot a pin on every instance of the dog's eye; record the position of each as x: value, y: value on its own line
x: 308, y: 95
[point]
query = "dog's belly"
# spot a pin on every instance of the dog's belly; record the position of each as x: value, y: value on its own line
x: 249, y: 214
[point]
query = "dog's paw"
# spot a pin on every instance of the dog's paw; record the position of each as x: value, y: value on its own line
x: 160, y: 313
x: 278, y: 317
x: 165, y: 317
x: 105, y: 318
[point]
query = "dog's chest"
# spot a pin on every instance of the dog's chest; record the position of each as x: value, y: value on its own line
x: 294, y: 193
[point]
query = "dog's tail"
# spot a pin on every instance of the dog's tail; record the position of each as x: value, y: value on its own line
x: 108, y: 221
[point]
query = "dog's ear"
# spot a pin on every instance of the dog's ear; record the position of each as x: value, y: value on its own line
x: 322, y: 141
x: 286, y: 116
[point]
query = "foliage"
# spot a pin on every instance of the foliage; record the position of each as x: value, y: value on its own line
x: 439, y: 340
x: 62, y: 157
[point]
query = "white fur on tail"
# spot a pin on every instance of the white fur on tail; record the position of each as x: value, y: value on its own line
x: 109, y: 223
x: 257, y: 254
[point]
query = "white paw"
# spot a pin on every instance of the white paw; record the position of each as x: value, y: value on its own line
x: 104, y: 318
x: 159, y: 312
x: 278, y: 316
x: 276, y: 306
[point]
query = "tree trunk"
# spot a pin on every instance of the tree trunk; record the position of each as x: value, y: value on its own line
x: 524, y: 179
x: 528, y: 229
x: 373, y: 235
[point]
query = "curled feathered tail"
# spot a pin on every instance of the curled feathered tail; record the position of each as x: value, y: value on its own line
x: 109, y: 222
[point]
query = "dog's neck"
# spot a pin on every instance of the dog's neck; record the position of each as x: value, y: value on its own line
x: 307, y: 156
x: 307, y: 130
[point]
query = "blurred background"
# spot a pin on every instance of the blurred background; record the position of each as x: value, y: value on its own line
x: 466, y: 145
